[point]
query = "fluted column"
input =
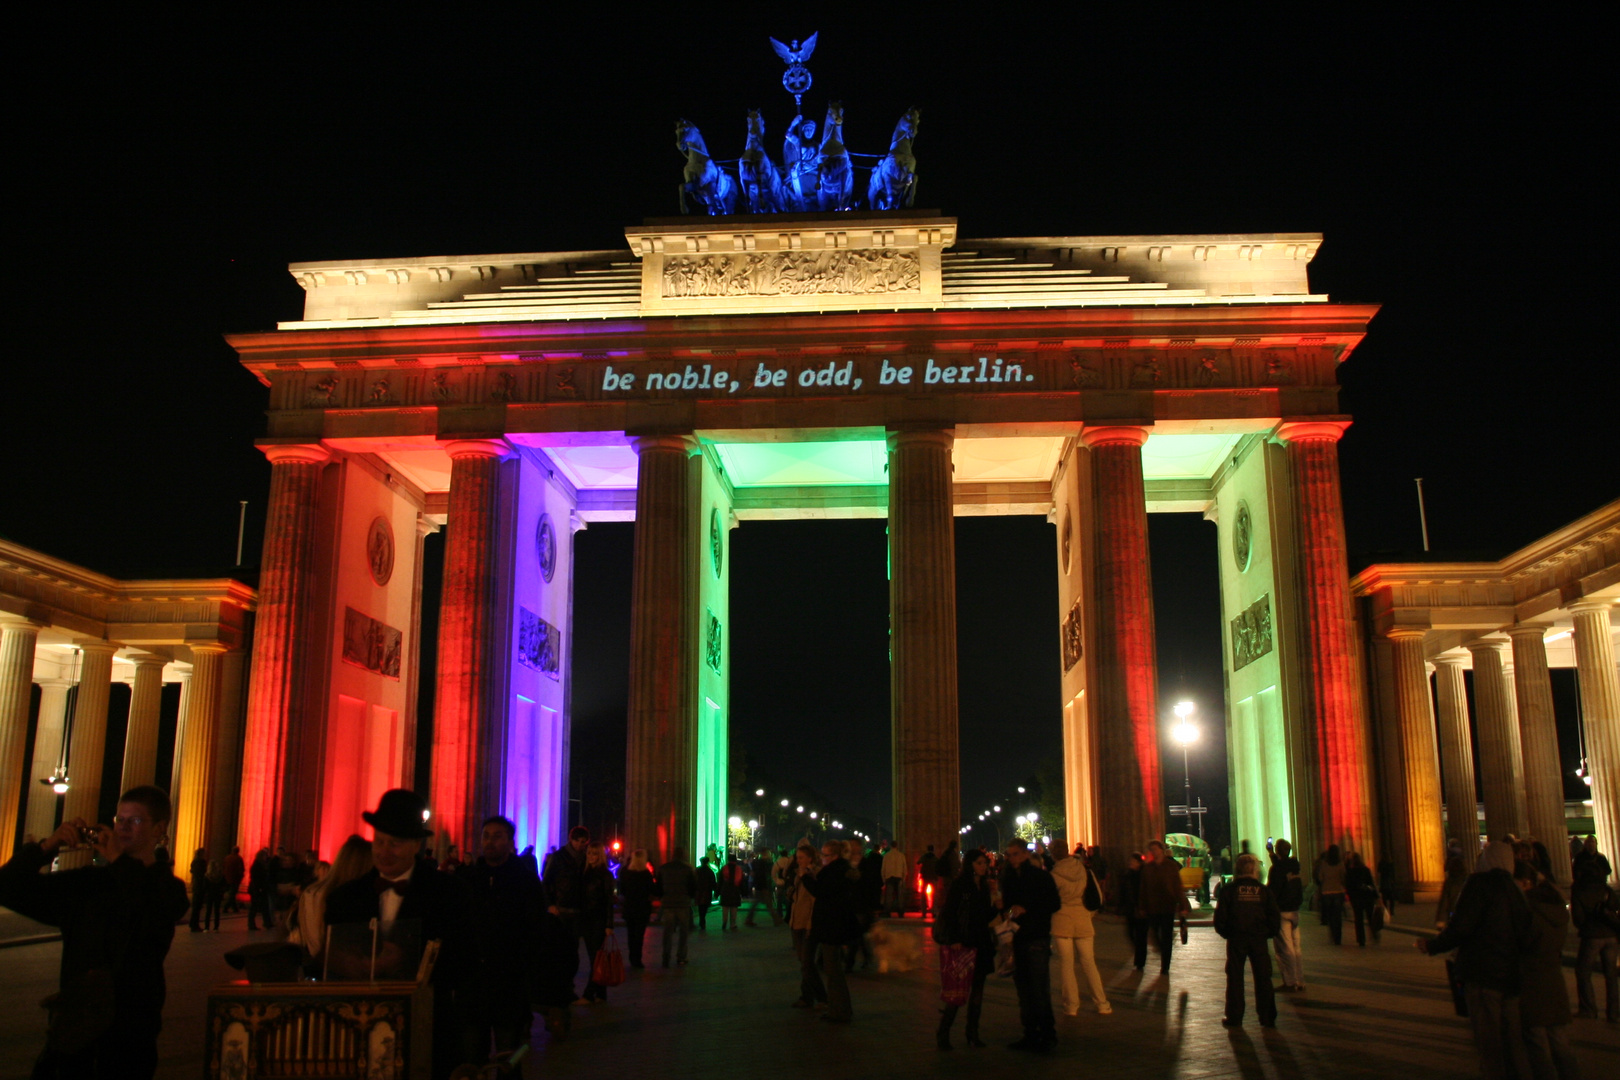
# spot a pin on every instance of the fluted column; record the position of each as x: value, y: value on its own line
x: 1420, y: 765
x: 1334, y: 727
x: 17, y: 640
x: 1538, y: 741
x: 922, y: 625
x: 463, y: 784
x: 1500, y: 769
x: 141, y: 738
x: 53, y: 699
x: 224, y: 813
x: 1130, y: 795
x: 89, y: 739
x: 1600, y: 708
x: 281, y: 647
x: 194, y: 760
x: 661, y: 750
x: 413, y: 657
x: 1456, y: 757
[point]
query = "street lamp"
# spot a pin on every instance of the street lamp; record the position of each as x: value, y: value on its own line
x: 1185, y: 732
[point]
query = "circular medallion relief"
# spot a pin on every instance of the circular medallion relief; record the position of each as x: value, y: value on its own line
x: 1068, y: 539
x: 717, y: 541
x: 545, y: 547
x: 1242, y: 537
x: 380, y: 550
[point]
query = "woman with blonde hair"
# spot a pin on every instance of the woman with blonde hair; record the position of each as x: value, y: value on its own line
x: 596, y: 913
x: 637, y: 887
x: 353, y: 860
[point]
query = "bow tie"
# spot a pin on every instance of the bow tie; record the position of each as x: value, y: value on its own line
x: 384, y: 885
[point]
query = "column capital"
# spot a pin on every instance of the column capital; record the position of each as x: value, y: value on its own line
x: 944, y: 438
x: 97, y: 646
x: 146, y: 659
x: 1118, y: 435
x: 1406, y: 633
x: 1291, y: 431
x: 1448, y: 659
x: 9, y: 621
x: 1525, y: 630
x: 477, y: 448
x: 311, y: 453
x: 1487, y: 644
x: 1584, y: 607
x: 216, y: 648
x: 425, y: 526
x: 686, y: 443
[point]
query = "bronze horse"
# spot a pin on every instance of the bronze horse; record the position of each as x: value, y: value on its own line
x: 894, y: 181
x: 710, y: 186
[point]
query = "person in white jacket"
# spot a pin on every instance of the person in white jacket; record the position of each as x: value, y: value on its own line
x: 1072, y: 934
x: 895, y: 867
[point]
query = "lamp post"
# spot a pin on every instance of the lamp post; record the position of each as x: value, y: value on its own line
x: 1185, y: 732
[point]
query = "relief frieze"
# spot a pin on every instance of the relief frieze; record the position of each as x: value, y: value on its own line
x: 1251, y: 633
x: 792, y: 273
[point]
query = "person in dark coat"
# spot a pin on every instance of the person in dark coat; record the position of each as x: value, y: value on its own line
x: 1597, y: 917
x: 868, y: 894
x: 504, y: 899
x: 564, y: 879
x: 1288, y: 890
x: 965, y: 921
x: 199, y: 888
x: 1363, y: 893
x: 261, y: 889
x: 1031, y: 897
x: 637, y: 887
x: 704, y: 894
x: 1488, y: 929
x: 1129, y: 893
x: 402, y: 890
x: 235, y: 871
x: 596, y: 915
x: 677, y: 885
x: 117, y: 923
x: 1543, y: 997
x: 732, y: 876
x: 1160, y: 899
x: 1247, y: 916
x: 833, y: 925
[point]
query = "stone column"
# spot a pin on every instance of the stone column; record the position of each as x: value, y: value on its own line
x: 53, y: 699
x: 17, y: 640
x: 1600, y: 707
x: 1130, y: 794
x: 227, y: 773
x: 1538, y: 740
x: 1334, y: 728
x: 1500, y: 768
x: 280, y: 645
x: 1456, y: 757
x: 140, y: 741
x: 463, y: 783
x: 922, y: 641
x: 194, y: 760
x: 661, y: 753
x: 89, y: 740
x: 1420, y: 765
x: 413, y: 657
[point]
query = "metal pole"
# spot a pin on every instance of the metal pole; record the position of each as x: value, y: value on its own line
x: 241, y: 527
x: 1423, y: 513
x: 1186, y: 776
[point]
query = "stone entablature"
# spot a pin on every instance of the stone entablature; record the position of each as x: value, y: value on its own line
x: 61, y: 595
x: 1461, y: 601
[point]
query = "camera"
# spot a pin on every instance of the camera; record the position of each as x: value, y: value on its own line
x: 88, y: 835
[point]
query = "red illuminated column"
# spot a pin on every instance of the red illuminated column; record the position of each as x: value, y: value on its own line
x: 661, y: 751
x: 1425, y: 839
x: 17, y: 640
x: 1334, y: 728
x: 140, y: 739
x: 463, y: 720
x: 1538, y: 739
x: 1500, y: 768
x: 1600, y: 711
x: 922, y: 623
x: 1457, y: 757
x: 194, y: 761
x: 280, y: 645
x: 1130, y: 800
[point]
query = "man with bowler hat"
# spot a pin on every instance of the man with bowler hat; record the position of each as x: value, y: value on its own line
x: 400, y: 887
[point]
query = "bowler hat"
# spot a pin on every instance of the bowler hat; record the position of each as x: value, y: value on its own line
x: 400, y: 813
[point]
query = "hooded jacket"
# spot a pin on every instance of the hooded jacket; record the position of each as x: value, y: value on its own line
x: 1489, y: 927
x: 1544, y: 999
x: 1072, y: 920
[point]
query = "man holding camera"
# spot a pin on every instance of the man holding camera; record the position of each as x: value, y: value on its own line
x: 117, y: 920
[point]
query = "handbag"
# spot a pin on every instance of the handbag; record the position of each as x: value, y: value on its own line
x: 608, y: 967
x: 956, y: 966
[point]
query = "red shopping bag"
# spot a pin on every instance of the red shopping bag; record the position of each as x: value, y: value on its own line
x: 608, y: 967
x: 956, y: 963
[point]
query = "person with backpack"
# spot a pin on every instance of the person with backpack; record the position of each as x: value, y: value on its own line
x: 1073, y: 933
x: 1246, y: 915
x: 1288, y: 890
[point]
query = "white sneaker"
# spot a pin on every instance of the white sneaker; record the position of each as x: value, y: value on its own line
x: 1104, y: 1008
x: 1071, y: 1012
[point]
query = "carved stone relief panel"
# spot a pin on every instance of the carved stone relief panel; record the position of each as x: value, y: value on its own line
x: 1251, y: 633
x: 1073, y: 637
x: 712, y: 642
x: 789, y: 273
x: 539, y: 644
x: 370, y: 644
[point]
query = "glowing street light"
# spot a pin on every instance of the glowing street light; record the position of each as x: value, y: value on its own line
x: 1020, y: 791
x: 997, y: 809
x: 759, y: 792
x: 1185, y: 733
x: 784, y: 802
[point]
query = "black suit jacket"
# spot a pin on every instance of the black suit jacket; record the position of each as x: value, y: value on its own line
x: 438, y: 900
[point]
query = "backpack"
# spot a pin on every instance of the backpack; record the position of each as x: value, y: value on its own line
x: 1091, y: 898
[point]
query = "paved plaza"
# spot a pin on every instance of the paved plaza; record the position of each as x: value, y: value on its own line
x: 1382, y: 1011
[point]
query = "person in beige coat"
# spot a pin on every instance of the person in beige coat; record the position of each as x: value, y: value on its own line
x: 1073, y: 935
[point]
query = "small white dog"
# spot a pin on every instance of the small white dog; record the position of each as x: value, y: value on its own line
x: 895, y: 950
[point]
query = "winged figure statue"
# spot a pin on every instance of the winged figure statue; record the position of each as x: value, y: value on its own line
x: 796, y: 54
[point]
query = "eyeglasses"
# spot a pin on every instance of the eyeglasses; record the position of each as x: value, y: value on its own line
x: 133, y: 822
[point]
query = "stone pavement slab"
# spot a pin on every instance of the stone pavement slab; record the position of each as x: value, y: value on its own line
x: 1383, y: 1011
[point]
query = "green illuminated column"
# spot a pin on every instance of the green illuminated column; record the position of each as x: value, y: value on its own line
x: 922, y: 617
x: 1538, y: 738
x: 1456, y: 757
x: 1600, y: 711
x: 1420, y: 766
x: 661, y: 751
x: 709, y: 547
x: 1500, y: 767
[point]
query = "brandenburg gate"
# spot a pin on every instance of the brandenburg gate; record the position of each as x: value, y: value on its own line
x: 718, y: 371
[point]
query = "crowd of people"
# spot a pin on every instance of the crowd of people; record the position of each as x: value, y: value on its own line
x: 510, y: 927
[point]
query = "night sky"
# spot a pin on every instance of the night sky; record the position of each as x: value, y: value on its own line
x: 165, y: 171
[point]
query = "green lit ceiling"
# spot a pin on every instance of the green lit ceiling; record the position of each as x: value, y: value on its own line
x: 805, y: 464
